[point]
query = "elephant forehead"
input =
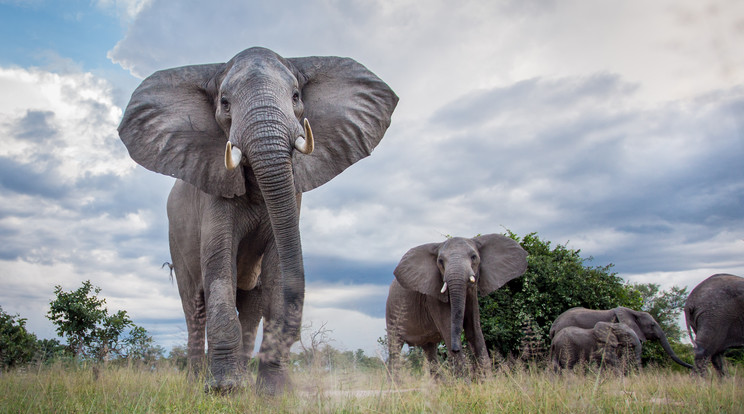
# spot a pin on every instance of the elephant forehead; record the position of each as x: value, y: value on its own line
x: 256, y: 69
x: 458, y: 246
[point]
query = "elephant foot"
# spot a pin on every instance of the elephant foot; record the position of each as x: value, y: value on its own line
x: 222, y: 386
x: 226, y: 371
x: 272, y: 378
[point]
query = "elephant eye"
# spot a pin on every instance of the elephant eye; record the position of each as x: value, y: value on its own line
x: 225, y: 104
x: 474, y: 257
x: 296, y: 97
x: 440, y: 261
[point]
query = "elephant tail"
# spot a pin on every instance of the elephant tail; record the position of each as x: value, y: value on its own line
x: 688, y: 316
x: 170, y: 266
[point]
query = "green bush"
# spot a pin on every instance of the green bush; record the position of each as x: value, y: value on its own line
x: 17, y: 345
x: 556, y: 279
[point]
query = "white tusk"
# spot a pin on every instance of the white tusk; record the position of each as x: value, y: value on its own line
x: 306, y: 146
x: 444, y: 288
x: 472, y: 279
x: 233, y: 156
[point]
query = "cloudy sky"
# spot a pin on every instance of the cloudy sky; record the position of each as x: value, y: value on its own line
x: 615, y: 127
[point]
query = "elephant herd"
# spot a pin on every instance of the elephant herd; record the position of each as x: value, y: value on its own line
x: 419, y: 315
x: 244, y: 139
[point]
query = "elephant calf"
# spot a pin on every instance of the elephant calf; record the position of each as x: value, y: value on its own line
x: 434, y: 295
x: 608, y: 343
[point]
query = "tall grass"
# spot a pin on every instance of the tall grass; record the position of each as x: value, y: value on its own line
x: 513, y: 388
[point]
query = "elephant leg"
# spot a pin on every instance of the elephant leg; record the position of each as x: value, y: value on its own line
x: 701, y: 360
x: 218, y: 253
x: 430, y: 352
x: 196, y: 321
x: 272, y: 370
x: 194, y: 310
x: 249, y: 307
x: 395, y: 344
x: 717, y: 360
x: 474, y: 335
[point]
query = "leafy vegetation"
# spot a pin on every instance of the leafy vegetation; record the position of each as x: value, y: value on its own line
x: 519, y: 315
x: 17, y: 345
x: 80, y: 315
x: 556, y: 279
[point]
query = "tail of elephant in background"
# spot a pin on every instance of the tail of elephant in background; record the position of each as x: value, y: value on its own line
x: 170, y: 266
x: 688, y: 316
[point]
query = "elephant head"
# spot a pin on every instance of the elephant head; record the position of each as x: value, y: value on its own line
x: 231, y: 130
x: 645, y: 327
x: 459, y: 268
x: 617, y: 338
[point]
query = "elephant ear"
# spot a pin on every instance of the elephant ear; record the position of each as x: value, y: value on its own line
x: 624, y: 334
x: 349, y: 110
x: 169, y: 127
x: 628, y: 317
x: 604, y: 334
x: 418, y: 271
x: 501, y: 260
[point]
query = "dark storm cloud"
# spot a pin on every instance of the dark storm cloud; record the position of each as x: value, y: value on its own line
x: 521, y: 98
x: 295, y: 28
x: 18, y: 177
x: 335, y: 270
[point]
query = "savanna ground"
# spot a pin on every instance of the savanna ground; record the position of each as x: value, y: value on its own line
x: 512, y: 388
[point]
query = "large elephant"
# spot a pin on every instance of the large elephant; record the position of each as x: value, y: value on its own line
x: 434, y: 295
x: 608, y: 343
x: 642, y: 323
x: 715, y: 312
x: 237, y: 136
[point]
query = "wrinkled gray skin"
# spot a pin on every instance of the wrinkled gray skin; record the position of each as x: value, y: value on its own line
x: 715, y: 312
x: 642, y: 323
x: 608, y: 343
x: 419, y: 314
x: 234, y: 233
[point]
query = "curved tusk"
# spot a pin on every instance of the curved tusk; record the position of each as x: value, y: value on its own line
x: 306, y: 146
x: 444, y: 288
x: 472, y: 279
x: 233, y: 156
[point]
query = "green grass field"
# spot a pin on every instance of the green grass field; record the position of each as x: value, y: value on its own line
x: 512, y: 389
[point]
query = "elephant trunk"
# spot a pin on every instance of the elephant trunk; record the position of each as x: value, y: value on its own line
x: 457, y: 292
x: 669, y: 350
x: 269, y: 156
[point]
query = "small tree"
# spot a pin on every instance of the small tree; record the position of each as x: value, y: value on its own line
x: 178, y: 356
x: 49, y: 350
x: 139, y: 346
x: 81, y: 316
x: 17, y: 345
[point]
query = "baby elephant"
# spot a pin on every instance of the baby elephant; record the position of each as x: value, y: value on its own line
x: 607, y: 342
x: 434, y: 296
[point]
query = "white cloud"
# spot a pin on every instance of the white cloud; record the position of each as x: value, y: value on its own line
x: 79, y: 118
x: 127, y: 10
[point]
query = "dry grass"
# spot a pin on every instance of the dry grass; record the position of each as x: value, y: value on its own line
x: 514, y: 388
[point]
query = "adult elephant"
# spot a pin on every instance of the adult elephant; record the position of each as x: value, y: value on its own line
x: 715, y: 312
x: 434, y: 295
x: 237, y: 136
x: 642, y: 323
x: 608, y: 343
